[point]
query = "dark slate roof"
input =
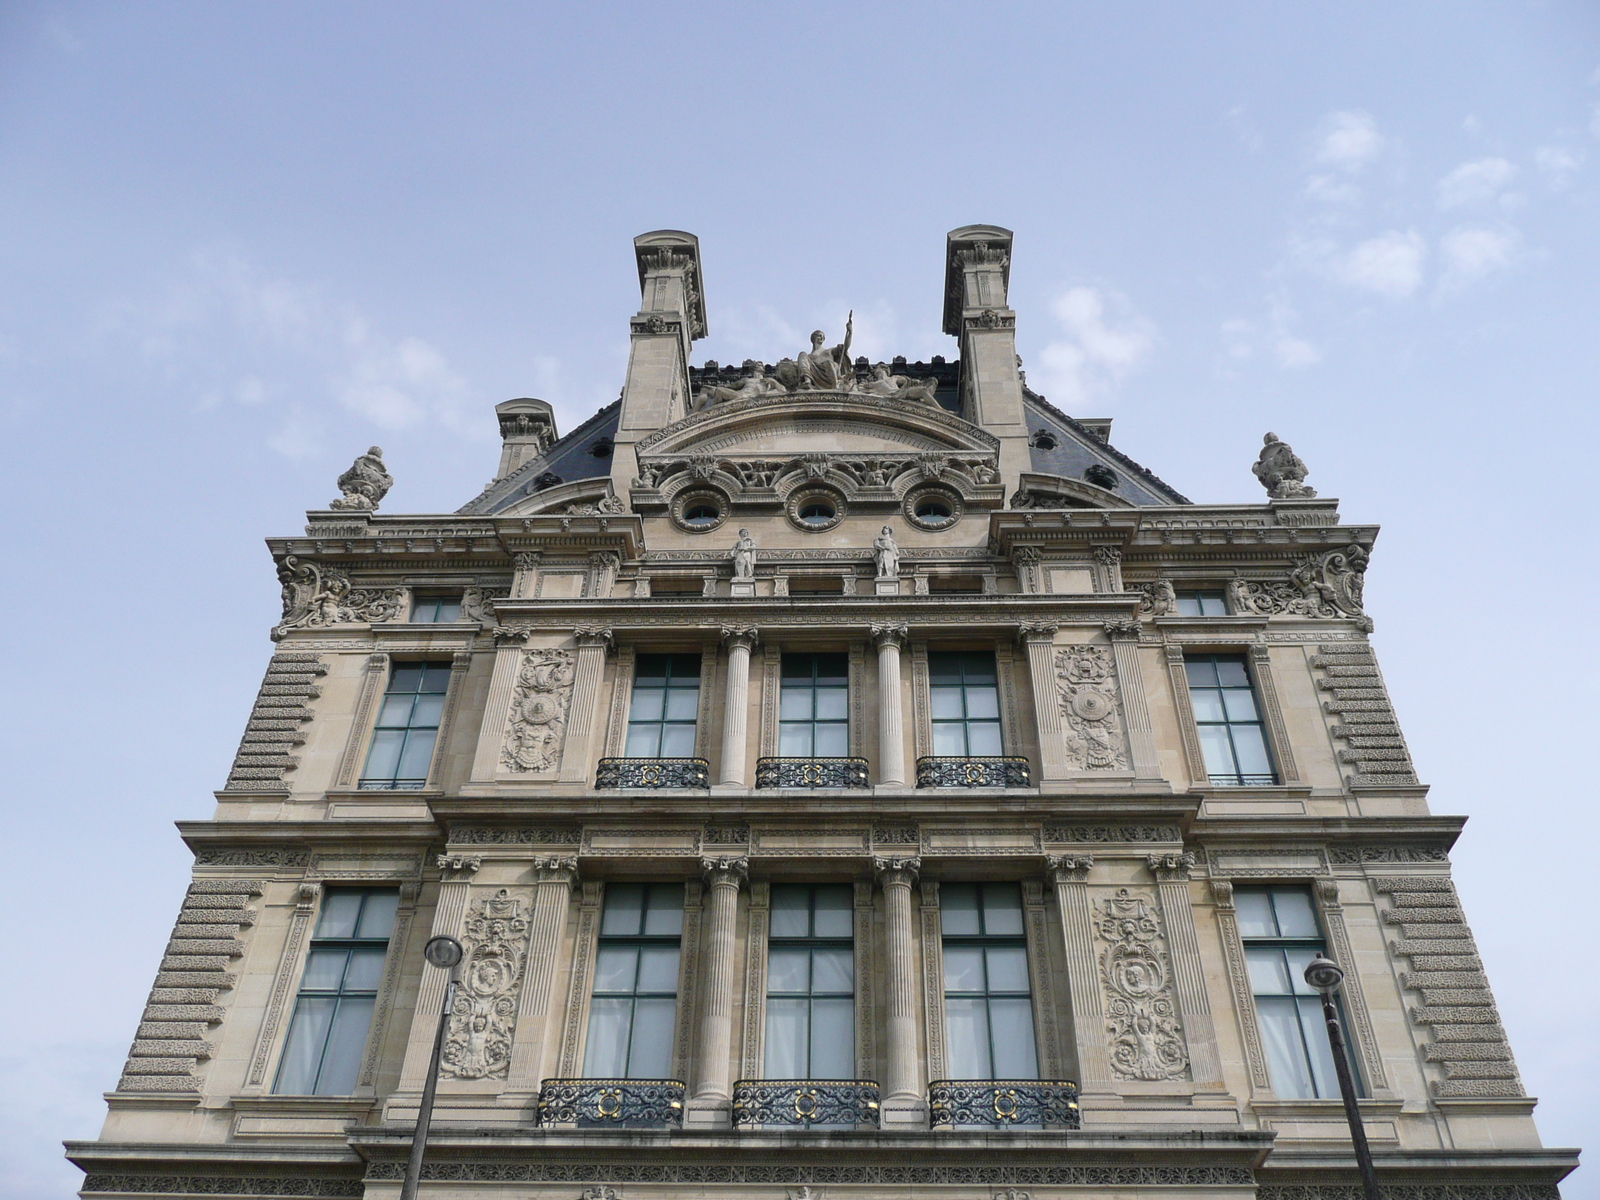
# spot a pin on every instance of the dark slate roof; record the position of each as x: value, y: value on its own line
x: 1077, y: 450
x: 567, y: 460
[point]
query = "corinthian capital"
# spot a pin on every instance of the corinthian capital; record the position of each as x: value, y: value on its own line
x: 1037, y: 631
x: 594, y: 635
x: 890, y: 634
x: 896, y: 871
x: 458, y: 866
x: 725, y: 872
x: 556, y: 868
x: 1069, y: 868
x: 512, y: 633
x: 741, y: 635
x: 1170, y: 866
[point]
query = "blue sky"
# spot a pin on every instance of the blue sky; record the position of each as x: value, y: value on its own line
x: 243, y: 242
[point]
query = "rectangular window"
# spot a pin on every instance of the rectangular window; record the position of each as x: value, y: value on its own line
x: 1229, y: 721
x: 1202, y: 604
x: 811, y: 1005
x: 439, y: 608
x: 333, y: 1012
x: 965, y: 695
x: 1281, y: 936
x: 988, y: 1004
x: 814, y: 706
x: 408, y: 725
x: 666, y: 700
x: 635, y: 982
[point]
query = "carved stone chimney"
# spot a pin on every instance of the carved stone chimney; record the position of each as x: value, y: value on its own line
x: 977, y: 275
x: 527, y: 427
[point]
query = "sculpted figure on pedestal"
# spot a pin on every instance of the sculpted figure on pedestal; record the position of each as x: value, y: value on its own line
x: 886, y: 554
x: 827, y: 370
x: 744, y: 556
x: 757, y: 383
x: 898, y: 387
x: 1281, y: 471
x: 364, y: 484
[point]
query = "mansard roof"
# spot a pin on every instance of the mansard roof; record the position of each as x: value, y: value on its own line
x: 584, y: 454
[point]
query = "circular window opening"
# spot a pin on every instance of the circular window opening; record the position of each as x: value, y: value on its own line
x: 602, y: 448
x: 701, y: 516
x: 1044, y: 441
x: 933, y: 512
x: 816, y: 513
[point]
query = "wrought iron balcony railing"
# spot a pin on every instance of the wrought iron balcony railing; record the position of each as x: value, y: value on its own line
x: 951, y: 771
x: 812, y: 773
x: 652, y: 773
x: 614, y: 1103
x: 1002, y: 1103
x: 842, y: 1103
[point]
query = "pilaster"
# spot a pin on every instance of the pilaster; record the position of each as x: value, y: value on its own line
x: 1070, y: 874
x: 1188, y: 969
x: 1142, y: 753
x: 711, y: 1104
x: 593, y: 643
x: 905, y: 1090
x: 1038, y: 638
x: 449, y: 916
x: 554, y: 877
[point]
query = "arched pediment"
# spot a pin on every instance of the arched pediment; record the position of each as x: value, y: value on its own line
x: 583, y: 497
x: 1057, y: 491
x: 799, y: 423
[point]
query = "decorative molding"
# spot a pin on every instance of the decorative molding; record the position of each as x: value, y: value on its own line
x: 1011, y: 739
x: 621, y: 695
x: 317, y: 595
x: 1086, y: 681
x: 858, y: 697
x: 933, y: 979
x: 1277, y: 730
x: 223, y: 1185
x: 921, y: 718
x: 578, y: 990
x: 688, y: 1018
x: 755, y: 980
x: 483, y: 1020
x: 393, y: 966
x: 708, y: 694
x: 1366, y: 1040
x: 1042, y: 976
x: 471, y: 835
x: 460, y: 664
x: 537, y: 726
x: 844, y: 1173
x: 771, y: 664
x: 289, y: 966
x: 1351, y: 855
x: 372, y: 681
x: 1244, y: 1004
x: 1178, y: 679
x: 865, y: 977
x: 1097, y: 834
x: 1326, y: 585
x: 1144, y: 1035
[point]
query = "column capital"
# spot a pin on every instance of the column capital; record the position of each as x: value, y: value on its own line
x: 725, y: 872
x: 1121, y: 627
x: 891, y: 633
x: 556, y: 868
x: 1037, y: 631
x: 1222, y: 893
x: 741, y: 635
x: 512, y: 633
x: 896, y: 871
x: 526, y: 560
x: 1069, y: 868
x: 456, y: 867
x: 1169, y: 867
x: 595, y: 635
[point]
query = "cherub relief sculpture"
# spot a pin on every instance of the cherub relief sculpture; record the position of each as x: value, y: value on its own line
x: 364, y: 484
x: 1281, y: 471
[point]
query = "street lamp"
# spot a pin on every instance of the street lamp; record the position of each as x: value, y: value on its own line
x: 444, y: 953
x: 1325, y: 975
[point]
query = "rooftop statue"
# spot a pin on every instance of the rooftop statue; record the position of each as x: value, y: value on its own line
x: 828, y: 370
x: 364, y: 484
x: 757, y: 383
x: 1281, y: 472
x: 899, y: 387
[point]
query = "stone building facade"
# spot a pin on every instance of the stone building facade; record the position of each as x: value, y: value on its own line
x: 847, y: 780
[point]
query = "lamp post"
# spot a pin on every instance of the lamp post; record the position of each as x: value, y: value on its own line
x: 1325, y: 976
x: 444, y: 953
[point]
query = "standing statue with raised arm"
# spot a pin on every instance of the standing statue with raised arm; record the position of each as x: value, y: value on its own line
x: 886, y: 554
x: 828, y: 370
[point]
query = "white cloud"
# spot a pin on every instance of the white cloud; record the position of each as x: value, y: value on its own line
x: 1243, y: 339
x: 1349, y: 142
x: 1470, y: 252
x: 1390, y: 265
x: 1475, y: 182
x: 1095, y: 354
x: 1557, y: 164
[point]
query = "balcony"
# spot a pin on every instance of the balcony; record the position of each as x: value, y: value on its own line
x: 806, y: 1103
x: 954, y: 772
x: 611, y: 1103
x: 652, y: 773
x: 1004, y: 1103
x: 812, y: 773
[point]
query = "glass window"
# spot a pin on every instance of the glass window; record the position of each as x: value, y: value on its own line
x: 965, y: 695
x: 328, y: 1031
x: 811, y: 1006
x: 443, y: 608
x: 1229, y: 721
x: 408, y: 724
x: 1281, y: 936
x: 666, y: 700
x: 635, y: 982
x: 988, y: 1003
x: 814, y: 706
x: 1202, y: 604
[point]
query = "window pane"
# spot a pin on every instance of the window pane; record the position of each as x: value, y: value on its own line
x: 308, y: 1032
x: 606, y: 1052
x: 1212, y: 604
x: 677, y: 741
x: 1251, y: 748
x: 1002, y: 910
x: 833, y: 668
x: 365, y: 971
x: 833, y: 1039
x: 983, y: 738
x: 644, y: 741
x: 647, y: 704
x: 385, y: 754
x: 1189, y: 606
x: 983, y: 702
x: 1207, y: 704
x: 417, y: 755
x: 341, y: 1061
x: 1239, y: 704
x: 1314, y: 1029
x: 1200, y: 672
x: 664, y: 917
x: 435, y: 677
x: 1231, y: 673
x: 794, y: 704
x: 651, y: 666
x: 1268, y: 975
x: 786, y: 1050
x: 324, y: 970
x: 1296, y: 916
x: 340, y: 909
x: 967, y: 1022
x: 658, y: 969
x: 946, y: 703
x: 427, y: 710
x: 797, y: 667
x: 832, y: 741
x: 791, y: 910
x: 616, y: 968
x: 833, y: 704
x: 1298, y: 960
x: 396, y: 711
x: 1008, y: 968
x: 624, y: 903
x: 794, y: 741
x: 651, y: 1053
x: 963, y: 969
x: 1218, y: 750
x: 977, y: 667
x: 377, y: 915
x: 1286, y: 1059
x: 944, y: 668
x: 1015, y: 1055
x: 832, y: 971
x: 1255, y: 913
x: 833, y: 912
x: 788, y: 971
x: 950, y: 738
x: 449, y: 611
x: 958, y: 909
x: 683, y: 704
x: 406, y: 677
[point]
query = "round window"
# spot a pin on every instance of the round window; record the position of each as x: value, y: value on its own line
x: 816, y: 513
x: 701, y: 516
x: 933, y: 512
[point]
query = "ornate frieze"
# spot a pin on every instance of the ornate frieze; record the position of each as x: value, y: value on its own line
x: 538, y: 721
x: 1146, y: 1040
x: 1326, y: 585
x: 316, y: 595
x: 851, y: 1174
x: 483, y: 1019
x: 1088, y: 693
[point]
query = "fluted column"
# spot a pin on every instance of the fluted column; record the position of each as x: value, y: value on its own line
x: 736, y: 715
x: 1070, y: 873
x: 449, y: 913
x: 891, y: 725
x: 1188, y: 971
x: 554, y: 877
x: 593, y: 643
x: 712, y: 1103
x: 905, y: 1098
x: 1124, y: 637
x: 1039, y: 638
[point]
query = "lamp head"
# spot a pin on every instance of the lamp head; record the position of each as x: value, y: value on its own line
x: 1324, y: 974
x: 442, y: 952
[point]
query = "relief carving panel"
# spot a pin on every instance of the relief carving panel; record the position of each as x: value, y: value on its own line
x: 1146, y: 1041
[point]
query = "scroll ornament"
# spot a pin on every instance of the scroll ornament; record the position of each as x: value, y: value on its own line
x: 484, y: 1015
x: 1089, y: 705
x: 1324, y: 585
x: 1141, y: 1018
x: 316, y: 595
x: 538, y: 719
